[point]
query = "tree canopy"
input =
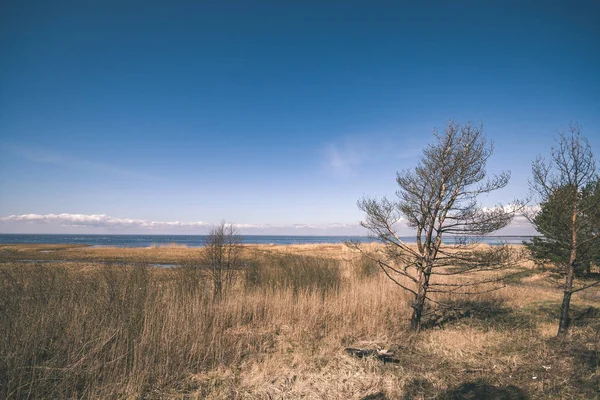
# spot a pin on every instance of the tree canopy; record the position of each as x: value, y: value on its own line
x: 440, y: 198
x: 554, y: 222
x: 568, y: 190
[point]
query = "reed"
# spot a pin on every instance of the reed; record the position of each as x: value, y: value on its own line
x: 86, y: 331
x: 296, y: 272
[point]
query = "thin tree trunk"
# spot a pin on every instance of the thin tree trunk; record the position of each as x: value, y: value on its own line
x: 419, y: 303
x: 565, y: 317
x: 217, y: 286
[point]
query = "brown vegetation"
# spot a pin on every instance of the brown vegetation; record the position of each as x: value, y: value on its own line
x: 84, y: 329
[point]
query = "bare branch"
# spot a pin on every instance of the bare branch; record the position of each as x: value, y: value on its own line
x: 439, y: 197
x: 569, y: 216
x: 585, y: 287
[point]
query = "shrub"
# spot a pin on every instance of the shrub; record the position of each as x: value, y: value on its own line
x: 300, y: 273
x: 365, y: 267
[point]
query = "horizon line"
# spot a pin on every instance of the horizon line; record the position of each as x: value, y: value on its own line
x: 242, y: 235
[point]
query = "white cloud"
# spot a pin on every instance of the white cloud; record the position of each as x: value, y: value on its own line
x: 97, y: 220
x: 342, y: 159
x: 102, y: 222
x: 519, y: 225
x: 346, y: 155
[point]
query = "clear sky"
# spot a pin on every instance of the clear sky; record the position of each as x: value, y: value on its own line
x: 128, y: 116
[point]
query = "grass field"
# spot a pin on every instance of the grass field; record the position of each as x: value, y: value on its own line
x: 79, y: 322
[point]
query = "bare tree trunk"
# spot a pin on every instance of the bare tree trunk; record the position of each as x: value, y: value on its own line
x: 565, y: 318
x: 419, y: 303
x: 217, y: 285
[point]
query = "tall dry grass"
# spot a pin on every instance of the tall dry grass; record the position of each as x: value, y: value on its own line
x: 296, y: 272
x: 134, y: 331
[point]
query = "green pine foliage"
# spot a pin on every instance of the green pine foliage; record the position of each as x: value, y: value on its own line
x: 554, y: 223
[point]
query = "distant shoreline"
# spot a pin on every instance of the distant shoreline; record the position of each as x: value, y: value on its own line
x: 181, y: 234
x: 153, y: 240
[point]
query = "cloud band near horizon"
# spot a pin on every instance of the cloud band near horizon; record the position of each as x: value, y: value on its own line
x: 104, y: 221
x: 76, y: 223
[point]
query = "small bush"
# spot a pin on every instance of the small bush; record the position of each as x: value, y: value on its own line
x: 365, y: 267
x: 300, y: 273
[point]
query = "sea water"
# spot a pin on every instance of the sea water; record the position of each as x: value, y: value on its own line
x: 198, y: 240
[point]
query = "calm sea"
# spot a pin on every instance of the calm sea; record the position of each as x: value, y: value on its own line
x: 198, y: 240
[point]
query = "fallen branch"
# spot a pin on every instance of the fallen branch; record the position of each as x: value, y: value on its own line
x: 383, y: 355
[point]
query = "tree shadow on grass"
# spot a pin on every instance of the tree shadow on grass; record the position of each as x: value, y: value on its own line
x: 475, y: 390
x: 589, y: 359
x: 593, y: 276
x: 482, y: 390
x: 493, y: 313
x: 585, y: 356
x: 578, y: 359
x: 580, y: 315
x: 588, y: 365
x: 375, y: 396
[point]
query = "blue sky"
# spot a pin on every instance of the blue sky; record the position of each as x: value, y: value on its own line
x: 274, y: 115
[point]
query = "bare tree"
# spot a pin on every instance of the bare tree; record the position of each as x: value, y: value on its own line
x: 568, y: 190
x: 438, y: 198
x: 222, y: 254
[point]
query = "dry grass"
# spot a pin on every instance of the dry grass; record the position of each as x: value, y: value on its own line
x: 80, y: 329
